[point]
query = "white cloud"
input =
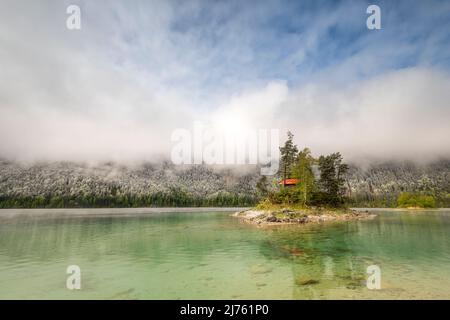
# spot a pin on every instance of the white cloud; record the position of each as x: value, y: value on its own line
x: 117, y: 89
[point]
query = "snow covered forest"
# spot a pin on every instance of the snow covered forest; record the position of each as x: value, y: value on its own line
x: 67, y: 184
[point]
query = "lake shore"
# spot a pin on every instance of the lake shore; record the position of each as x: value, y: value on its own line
x: 285, y: 216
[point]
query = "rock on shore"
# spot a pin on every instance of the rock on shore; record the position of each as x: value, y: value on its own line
x: 303, y: 216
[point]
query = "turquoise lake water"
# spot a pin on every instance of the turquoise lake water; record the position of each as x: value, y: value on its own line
x: 211, y: 255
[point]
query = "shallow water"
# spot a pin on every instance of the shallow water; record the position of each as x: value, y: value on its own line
x: 210, y: 255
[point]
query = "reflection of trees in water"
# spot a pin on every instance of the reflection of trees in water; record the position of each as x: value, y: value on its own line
x: 338, y: 255
x: 321, y: 257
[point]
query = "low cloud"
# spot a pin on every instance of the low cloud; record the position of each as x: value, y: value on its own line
x: 118, y: 88
x: 398, y: 115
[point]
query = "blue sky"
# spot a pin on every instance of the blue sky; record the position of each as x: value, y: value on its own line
x: 139, y: 69
x: 232, y: 44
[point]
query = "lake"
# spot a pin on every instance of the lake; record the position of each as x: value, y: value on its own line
x: 207, y: 254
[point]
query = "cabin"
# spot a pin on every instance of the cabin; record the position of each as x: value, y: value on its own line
x: 289, y: 182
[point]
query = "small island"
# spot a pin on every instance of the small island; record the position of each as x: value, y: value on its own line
x: 288, y: 215
x: 310, y: 191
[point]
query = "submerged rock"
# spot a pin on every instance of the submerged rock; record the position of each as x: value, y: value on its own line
x: 306, y: 282
x: 259, y: 269
x: 261, y: 284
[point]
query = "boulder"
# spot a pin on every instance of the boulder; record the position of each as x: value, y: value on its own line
x: 306, y: 282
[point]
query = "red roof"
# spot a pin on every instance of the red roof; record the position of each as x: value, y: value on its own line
x: 289, y: 182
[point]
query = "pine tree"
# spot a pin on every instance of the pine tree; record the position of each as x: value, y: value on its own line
x: 332, y: 178
x: 288, y: 156
x: 303, y: 171
x: 262, y: 187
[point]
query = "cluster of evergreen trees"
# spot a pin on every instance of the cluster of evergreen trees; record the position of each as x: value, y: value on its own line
x: 402, y: 200
x: 321, y: 180
x: 414, y: 200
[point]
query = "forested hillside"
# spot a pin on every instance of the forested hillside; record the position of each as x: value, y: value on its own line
x: 380, y: 185
x: 66, y: 184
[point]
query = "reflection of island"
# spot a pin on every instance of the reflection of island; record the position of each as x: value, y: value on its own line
x: 321, y: 258
x: 330, y: 261
x: 214, y: 256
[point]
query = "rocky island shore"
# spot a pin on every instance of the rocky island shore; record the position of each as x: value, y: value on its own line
x: 301, y: 216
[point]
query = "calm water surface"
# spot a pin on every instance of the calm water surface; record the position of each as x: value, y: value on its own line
x: 210, y: 255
